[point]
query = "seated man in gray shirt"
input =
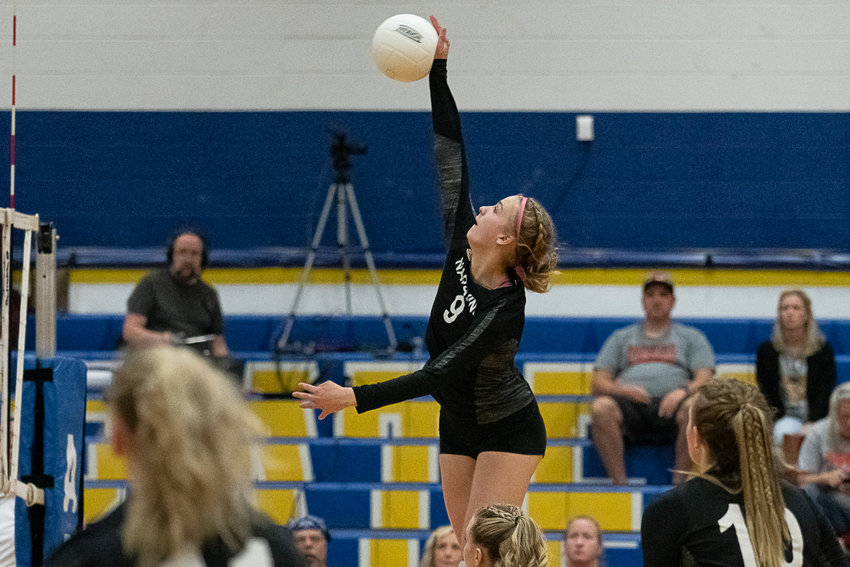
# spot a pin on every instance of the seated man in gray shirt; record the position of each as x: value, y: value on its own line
x: 642, y: 379
x: 174, y: 305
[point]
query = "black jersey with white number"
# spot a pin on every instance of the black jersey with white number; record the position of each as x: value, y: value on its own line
x: 99, y: 545
x: 473, y: 332
x: 700, y: 523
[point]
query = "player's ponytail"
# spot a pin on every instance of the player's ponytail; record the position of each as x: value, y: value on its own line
x: 509, y: 537
x: 537, y: 246
x: 733, y: 419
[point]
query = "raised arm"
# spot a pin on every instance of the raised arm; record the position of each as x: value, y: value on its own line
x: 448, y: 146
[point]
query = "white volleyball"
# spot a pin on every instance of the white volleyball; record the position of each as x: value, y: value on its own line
x: 403, y: 47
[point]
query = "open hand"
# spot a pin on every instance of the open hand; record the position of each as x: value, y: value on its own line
x: 442, y: 51
x: 328, y: 396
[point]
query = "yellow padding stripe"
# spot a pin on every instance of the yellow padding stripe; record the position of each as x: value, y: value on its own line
x: 579, y: 276
x: 260, y: 276
x: 705, y: 277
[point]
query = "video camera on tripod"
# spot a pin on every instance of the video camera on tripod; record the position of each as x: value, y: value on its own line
x: 341, y: 152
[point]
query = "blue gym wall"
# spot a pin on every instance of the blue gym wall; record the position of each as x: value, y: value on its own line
x: 650, y: 180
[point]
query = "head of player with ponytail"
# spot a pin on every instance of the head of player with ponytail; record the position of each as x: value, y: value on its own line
x: 730, y: 440
x: 502, y: 535
x: 536, y: 255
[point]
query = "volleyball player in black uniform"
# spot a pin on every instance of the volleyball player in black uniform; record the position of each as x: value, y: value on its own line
x: 735, y: 512
x: 491, y: 433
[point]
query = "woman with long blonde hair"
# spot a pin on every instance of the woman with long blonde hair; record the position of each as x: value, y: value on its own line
x: 735, y: 511
x: 186, y: 434
x: 795, y: 369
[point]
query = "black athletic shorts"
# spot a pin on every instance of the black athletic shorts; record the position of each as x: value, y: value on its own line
x: 641, y: 422
x: 523, y: 432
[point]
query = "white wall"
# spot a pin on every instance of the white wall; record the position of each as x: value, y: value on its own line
x: 705, y: 55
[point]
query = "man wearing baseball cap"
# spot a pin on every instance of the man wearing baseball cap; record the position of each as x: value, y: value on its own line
x: 311, y: 537
x: 643, y: 378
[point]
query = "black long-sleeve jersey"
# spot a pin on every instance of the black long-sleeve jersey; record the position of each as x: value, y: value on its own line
x: 473, y: 332
x: 700, y: 523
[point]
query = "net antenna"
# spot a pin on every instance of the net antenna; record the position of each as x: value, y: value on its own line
x: 340, y: 191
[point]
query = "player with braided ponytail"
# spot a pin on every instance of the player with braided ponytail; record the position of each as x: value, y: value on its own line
x: 502, y: 535
x: 735, y: 511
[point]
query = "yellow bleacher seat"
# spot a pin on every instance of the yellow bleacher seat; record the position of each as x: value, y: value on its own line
x: 415, y: 418
x: 556, y: 466
x: 615, y: 511
x: 565, y: 420
x: 743, y: 372
x: 559, y: 378
x: 285, y: 418
x: 270, y: 377
x: 281, y: 505
x: 104, y: 464
x: 286, y: 462
x: 370, y: 372
x: 401, y: 509
x: 410, y: 463
x: 97, y: 502
x: 374, y: 552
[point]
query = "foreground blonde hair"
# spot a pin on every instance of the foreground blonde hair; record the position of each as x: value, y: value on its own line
x: 509, y: 536
x: 189, y: 460
x: 733, y: 419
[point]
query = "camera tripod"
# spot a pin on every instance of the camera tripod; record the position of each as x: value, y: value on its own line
x: 340, y: 191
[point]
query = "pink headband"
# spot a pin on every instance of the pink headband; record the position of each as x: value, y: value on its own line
x: 519, y: 216
x: 520, y: 271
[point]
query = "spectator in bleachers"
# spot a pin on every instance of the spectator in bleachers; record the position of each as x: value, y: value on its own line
x: 174, y: 305
x: 735, y: 511
x: 825, y: 461
x: 795, y: 369
x: 492, y: 435
x: 442, y: 549
x: 311, y: 537
x: 643, y: 378
x: 186, y: 435
x: 583, y: 542
x: 502, y: 535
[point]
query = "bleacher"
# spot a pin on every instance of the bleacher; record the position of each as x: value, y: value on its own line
x: 375, y: 477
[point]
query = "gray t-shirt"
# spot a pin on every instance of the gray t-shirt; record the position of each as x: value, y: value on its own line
x: 815, y: 454
x: 661, y: 364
